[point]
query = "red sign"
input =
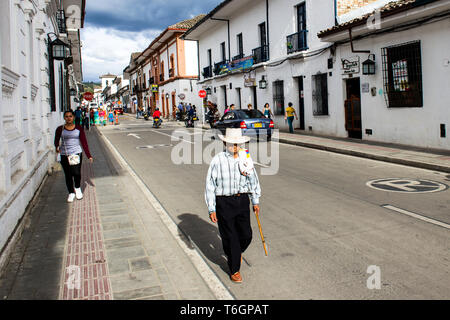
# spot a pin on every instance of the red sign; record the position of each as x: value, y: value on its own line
x: 88, y: 96
x: 202, y: 94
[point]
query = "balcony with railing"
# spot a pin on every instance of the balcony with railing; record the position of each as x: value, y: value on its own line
x: 297, y: 42
x: 239, y: 56
x: 207, y: 72
x: 218, y: 67
x: 261, y: 54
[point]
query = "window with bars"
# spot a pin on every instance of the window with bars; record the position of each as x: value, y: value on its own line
x: 320, y: 94
x: 278, y: 97
x: 402, y: 75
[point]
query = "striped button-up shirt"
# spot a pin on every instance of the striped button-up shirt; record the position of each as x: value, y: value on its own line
x: 225, y: 179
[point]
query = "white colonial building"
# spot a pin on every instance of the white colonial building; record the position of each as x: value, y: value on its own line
x: 406, y: 98
x: 165, y: 73
x: 312, y: 53
x: 36, y: 89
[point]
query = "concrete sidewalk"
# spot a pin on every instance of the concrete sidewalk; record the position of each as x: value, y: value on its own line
x: 112, y: 244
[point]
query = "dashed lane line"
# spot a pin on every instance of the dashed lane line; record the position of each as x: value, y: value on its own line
x: 417, y: 216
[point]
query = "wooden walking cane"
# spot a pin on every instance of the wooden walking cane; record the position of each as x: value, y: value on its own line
x: 260, y: 232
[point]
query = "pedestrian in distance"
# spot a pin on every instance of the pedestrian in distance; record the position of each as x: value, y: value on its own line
x: 228, y: 192
x: 289, y: 116
x: 227, y: 109
x: 111, y: 117
x: 78, y: 115
x: 73, y: 143
x: 91, y: 117
x: 268, y: 112
x: 249, y: 106
x: 232, y: 107
x: 86, y: 119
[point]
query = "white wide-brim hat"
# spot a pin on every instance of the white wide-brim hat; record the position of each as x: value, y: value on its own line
x: 234, y: 135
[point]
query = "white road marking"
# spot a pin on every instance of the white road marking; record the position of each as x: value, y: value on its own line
x: 417, y: 216
x: 211, y: 279
x: 134, y: 135
x: 169, y: 135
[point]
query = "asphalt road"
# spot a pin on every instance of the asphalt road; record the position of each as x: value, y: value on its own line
x: 325, y: 229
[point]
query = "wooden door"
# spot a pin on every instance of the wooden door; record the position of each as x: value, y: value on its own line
x: 352, y: 104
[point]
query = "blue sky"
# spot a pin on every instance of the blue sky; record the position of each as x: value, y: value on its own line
x: 113, y: 29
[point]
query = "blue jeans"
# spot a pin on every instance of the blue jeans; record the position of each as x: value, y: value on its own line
x: 291, y: 127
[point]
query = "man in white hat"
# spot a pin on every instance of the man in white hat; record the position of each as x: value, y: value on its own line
x: 228, y: 192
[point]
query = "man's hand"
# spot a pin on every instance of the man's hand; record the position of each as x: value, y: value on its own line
x: 57, y: 149
x: 213, y: 217
x: 91, y: 159
x: 256, y: 209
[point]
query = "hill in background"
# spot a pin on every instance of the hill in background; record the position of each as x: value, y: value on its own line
x: 89, y: 86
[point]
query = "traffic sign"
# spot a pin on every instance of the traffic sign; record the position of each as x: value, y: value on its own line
x: 202, y: 94
x: 88, y: 96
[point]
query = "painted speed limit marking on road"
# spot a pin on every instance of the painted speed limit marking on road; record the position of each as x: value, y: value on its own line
x: 406, y: 185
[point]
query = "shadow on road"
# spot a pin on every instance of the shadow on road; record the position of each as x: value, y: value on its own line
x: 204, y: 236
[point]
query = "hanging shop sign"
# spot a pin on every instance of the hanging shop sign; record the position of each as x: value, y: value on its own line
x: 351, y: 65
x: 154, y: 88
x: 250, y: 79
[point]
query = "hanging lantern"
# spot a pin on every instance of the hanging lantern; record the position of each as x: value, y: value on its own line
x: 263, y: 83
x: 368, y: 66
x: 60, y: 50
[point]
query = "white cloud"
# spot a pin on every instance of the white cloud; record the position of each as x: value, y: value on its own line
x: 107, y: 50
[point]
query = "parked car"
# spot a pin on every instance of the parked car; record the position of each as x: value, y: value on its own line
x: 252, y: 122
x: 119, y: 110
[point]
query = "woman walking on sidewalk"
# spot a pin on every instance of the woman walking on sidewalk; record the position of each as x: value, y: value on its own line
x: 73, y: 143
x: 289, y: 116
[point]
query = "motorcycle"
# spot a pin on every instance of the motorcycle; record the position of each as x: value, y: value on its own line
x: 147, y: 115
x: 211, y: 118
x: 157, y: 122
x: 189, y: 122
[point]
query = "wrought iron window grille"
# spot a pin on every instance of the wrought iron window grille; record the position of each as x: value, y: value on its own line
x: 320, y: 94
x: 402, y: 75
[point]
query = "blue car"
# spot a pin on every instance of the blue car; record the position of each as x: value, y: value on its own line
x: 252, y: 122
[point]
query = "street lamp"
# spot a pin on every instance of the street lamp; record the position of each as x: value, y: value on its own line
x: 263, y: 83
x: 368, y: 66
x: 57, y: 50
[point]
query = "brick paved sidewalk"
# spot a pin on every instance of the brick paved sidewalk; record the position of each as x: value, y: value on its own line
x: 110, y: 245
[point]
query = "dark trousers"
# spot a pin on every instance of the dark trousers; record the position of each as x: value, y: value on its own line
x: 233, y: 218
x: 72, y: 173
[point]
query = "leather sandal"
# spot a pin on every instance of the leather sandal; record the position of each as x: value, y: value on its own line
x: 236, y: 277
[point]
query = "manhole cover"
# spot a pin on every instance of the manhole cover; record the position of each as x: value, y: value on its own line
x: 406, y: 185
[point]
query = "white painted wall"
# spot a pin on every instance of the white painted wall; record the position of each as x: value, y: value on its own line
x: 191, y: 54
x: 27, y: 124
